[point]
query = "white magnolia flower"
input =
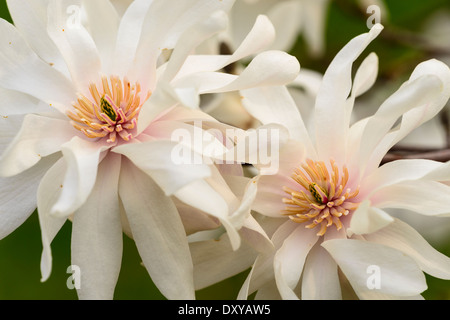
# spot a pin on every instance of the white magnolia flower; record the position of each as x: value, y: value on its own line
x: 325, y: 207
x: 90, y: 102
x: 291, y: 19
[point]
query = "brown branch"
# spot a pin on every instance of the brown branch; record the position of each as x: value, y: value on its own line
x: 441, y: 155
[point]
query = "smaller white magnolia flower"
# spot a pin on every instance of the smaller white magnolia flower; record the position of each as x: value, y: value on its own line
x: 326, y: 206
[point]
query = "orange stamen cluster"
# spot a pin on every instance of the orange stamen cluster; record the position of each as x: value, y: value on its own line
x: 323, y: 197
x: 110, y: 112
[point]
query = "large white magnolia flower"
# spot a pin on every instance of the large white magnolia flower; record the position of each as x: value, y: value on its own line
x: 325, y: 207
x: 89, y: 105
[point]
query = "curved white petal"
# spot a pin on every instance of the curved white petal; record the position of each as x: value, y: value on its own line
x: 74, y: 42
x: 47, y: 194
x: 424, y: 197
x: 168, y: 163
x: 82, y: 158
x: 9, y: 127
x: 371, y: 267
x: 128, y: 35
x: 320, y: 280
x: 97, y: 234
x: 253, y: 44
x: 103, y: 24
x: 330, y: 108
x: 274, y: 104
x: 269, y: 68
x: 14, y: 102
x: 403, y: 237
x: 18, y: 194
x: 419, y: 93
x: 290, y: 258
x: 158, y: 232
x: 287, y: 18
x: 366, y: 75
x: 162, y: 27
x: 215, y: 260
x: 263, y: 269
x: 22, y: 70
x: 400, y: 170
x: 368, y: 219
x: 314, y: 25
x: 39, y: 136
x: 190, y: 39
x: 30, y: 18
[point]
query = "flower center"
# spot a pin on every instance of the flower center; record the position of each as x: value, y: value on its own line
x: 110, y: 112
x: 324, y: 197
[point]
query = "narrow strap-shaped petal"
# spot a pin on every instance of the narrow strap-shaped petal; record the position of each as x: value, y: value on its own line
x: 372, y: 267
x: 74, y: 42
x: 331, y: 123
x: 424, y: 197
x: 161, y: 161
x: 47, y: 194
x: 30, y: 18
x: 401, y: 236
x: 22, y: 70
x: 39, y: 136
x: 103, y: 26
x: 18, y: 194
x: 290, y: 259
x: 215, y: 260
x: 82, y: 159
x: 320, y: 279
x: 97, y: 234
x: 158, y: 233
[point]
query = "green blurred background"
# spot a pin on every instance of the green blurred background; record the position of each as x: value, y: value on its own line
x: 20, y: 252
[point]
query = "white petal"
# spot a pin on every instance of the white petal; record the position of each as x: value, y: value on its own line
x: 9, y: 127
x: 416, y: 93
x: 263, y: 269
x: 290, y: 258
x: 330, y: 116
x: 253, y: 234
x: 190, y: 39
x: 195, y: 194
x: 128, y: 35
x: 161, y: 161
x: 362, y: 262
x: 215, y: 260
x: 252, y: 44
x: 18, y: 194
x: 97, y: 234
x: 366, y: 75
x: 39, y: 136
x: 269, y: 68
x: 368, y: 219
x: 275, y: 105
x: 74, y: 42
x: 424, y: 197
x: 47, y: 194
x: 14, y: 102
x: 286, y: 17
x: 103, y: 24
x: 158, y: 233
x: 397, y: 171
x: 320, y: 280
x: 82, y: 158
x: 314, y: 25
x: 401, y: 236
x: 163, y: 25
x: 30, y: 18
x: 24, y: 71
